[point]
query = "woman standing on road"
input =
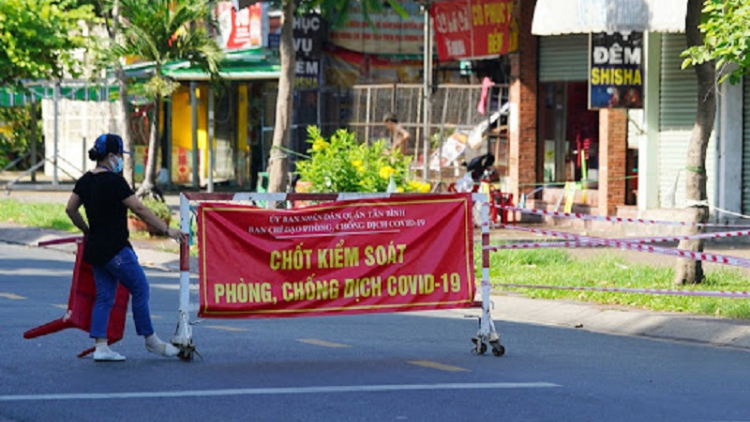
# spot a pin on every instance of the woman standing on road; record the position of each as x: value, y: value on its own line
x: 106, y: 197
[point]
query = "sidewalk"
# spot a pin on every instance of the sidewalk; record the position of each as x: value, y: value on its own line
x: 574, y: 315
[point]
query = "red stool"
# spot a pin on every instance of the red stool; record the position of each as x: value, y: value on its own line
x: 503, y: 199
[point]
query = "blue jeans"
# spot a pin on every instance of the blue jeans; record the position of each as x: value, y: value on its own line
x: 125, y: 268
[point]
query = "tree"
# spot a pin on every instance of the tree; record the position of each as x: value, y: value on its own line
x: 159, y: 31
x: 16, y: 131
x: 336, y: 12
x: 717, y: 33
x: 689, y: 271
x: 725, y: 29
x: 38, y: 38
x: 109, y: 12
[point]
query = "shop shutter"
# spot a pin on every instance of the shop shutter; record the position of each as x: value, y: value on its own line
x: 678, y: 102
x: 746, y: 147
x: 563, y: 58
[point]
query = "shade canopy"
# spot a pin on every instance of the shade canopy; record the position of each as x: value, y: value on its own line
x: 558, y: 17
x: 245, y: 65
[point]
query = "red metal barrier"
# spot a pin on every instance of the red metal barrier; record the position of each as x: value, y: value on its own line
x: 81, y: 302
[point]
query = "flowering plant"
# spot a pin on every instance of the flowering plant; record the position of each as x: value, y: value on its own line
x: 341, y: 164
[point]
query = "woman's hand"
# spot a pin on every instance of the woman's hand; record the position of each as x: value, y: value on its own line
x: 175, y: 234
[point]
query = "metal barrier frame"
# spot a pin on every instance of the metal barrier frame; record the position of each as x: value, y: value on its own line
x: 183, y: 336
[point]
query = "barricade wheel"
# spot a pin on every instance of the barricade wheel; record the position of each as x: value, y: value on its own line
x: 479, y: 347
x: 498, y: 349
x: 187, y: 353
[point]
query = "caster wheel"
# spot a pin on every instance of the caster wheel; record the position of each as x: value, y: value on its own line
x: 187, y: 353
x: 498, y: 350
x: 479, y: 347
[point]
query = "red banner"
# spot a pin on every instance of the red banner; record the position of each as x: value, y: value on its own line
x: 375, y: 255
x: 243, y: 28
x: 473, y: 29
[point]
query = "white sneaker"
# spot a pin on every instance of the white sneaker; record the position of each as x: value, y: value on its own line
x: 107, y: 355
x: 159, y: 347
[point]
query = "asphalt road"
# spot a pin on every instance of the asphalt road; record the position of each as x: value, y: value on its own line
x: 386, y: 367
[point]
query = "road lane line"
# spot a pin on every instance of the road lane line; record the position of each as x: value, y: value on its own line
x: 225, y: 328
x: 11, y: 296
x: 436, y: 365
x: 60, y: 305
x: 322, y: 343
x: 153, y: 316
x: 279, y: 391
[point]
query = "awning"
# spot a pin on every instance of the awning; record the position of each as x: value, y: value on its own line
x: 79, y: 90
x: 558, y: 17
x: 241, y: 65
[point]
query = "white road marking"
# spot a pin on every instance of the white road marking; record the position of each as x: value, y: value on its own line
x: 11, y: 296
x: 278, y: 391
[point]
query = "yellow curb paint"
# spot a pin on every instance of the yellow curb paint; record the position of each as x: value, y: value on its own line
x: 11, y: 296
x: 225, y: 328
x: 322, y: 343
x: 439, y: 366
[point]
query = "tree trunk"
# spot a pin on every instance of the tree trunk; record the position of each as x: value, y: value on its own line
x: 278, y: 159
x: 128, y: 161
x: 123, y: 109
x: 690, y: 271
x: 148, y: 187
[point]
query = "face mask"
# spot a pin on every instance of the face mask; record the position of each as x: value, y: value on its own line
x: 118, y: 165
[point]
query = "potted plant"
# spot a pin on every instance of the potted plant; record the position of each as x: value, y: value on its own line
x: 160, y: 210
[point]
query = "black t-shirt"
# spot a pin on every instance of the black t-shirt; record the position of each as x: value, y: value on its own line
x: 102, y: 195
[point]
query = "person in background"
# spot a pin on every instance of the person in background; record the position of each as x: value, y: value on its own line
x: 106, y: 197
x: 399, y: 135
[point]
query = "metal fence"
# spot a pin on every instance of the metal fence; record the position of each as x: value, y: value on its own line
x: 454, y: 107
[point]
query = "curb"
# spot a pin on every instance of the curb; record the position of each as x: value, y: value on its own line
x: 624, y: 321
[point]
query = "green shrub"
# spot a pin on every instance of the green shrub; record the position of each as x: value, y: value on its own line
x: 341, y: 164
x: 159, y: 208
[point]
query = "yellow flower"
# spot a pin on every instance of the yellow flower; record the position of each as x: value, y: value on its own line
x: 417, y: 186
x: 385, y: 172
x: 358, y: 165
x: 400, y: 189
x: 319, y: 145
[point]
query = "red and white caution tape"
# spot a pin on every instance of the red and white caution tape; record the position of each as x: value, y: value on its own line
x: 679, y: 253
x: 705, y: 293
x: 650, y: 239
x: 541, y: 245
x: 580, y: 216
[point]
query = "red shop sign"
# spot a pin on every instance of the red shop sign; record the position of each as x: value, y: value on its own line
x: 473, y: 29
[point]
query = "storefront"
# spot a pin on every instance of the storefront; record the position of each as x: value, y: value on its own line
x: 234, y: 117
x: 566, y: 125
